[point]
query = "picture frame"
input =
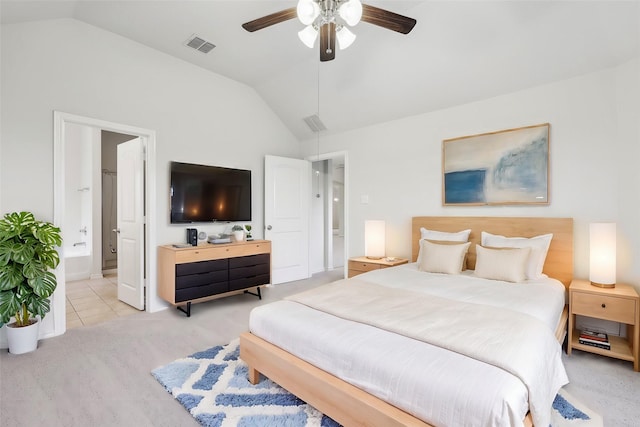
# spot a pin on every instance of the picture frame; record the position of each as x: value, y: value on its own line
x: 507, y: 167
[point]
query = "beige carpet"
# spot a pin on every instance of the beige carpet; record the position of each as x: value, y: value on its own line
x: 100, y: 375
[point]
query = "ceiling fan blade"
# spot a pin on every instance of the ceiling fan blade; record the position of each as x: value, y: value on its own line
x: 267, y: 21
x: 328, y: 42
x: 389, y: 20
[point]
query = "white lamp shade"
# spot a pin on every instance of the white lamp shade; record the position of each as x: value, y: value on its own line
x: 602, y: 253
x: 308, y: 36
x: 351, y: 12
x: 307, y: 11
x: 345, y: 37
x: 374, y: 239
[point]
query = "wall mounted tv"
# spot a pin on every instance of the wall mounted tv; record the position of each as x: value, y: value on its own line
x: 202, y: 193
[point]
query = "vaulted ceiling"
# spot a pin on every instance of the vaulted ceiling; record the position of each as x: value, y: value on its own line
x: 459, y: 51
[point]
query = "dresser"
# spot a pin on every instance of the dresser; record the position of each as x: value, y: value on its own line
x: 209, y: 271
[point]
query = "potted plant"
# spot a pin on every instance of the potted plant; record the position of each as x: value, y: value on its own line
x: 248, y: 233
x: 27, y: 256
x: 238, y: 232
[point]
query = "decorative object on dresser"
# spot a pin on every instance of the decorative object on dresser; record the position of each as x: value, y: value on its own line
x: 602, y: 254
x: 206, y: 272
x: 619, y: 304
x: 359, y: 265
x: 497, y: 168
x: 192, y: 236
x: 248, y: 234
x: 238, y: 233
x: 374, y: 239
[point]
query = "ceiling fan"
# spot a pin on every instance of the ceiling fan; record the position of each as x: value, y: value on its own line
x: 330, y: 19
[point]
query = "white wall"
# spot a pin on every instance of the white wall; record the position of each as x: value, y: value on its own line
x: 594, y: 151
x: 72, y: 67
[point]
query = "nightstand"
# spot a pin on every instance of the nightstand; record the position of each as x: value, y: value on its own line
x: 619, y: 304
x: 363, y: 264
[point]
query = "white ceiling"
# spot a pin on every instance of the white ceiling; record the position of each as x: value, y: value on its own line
x: 459, y: 51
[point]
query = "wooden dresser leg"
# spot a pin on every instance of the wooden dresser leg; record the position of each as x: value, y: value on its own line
x: 254, y: 376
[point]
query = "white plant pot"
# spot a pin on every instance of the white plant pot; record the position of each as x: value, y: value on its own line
x: 23, y: 340
x: 238, y: 235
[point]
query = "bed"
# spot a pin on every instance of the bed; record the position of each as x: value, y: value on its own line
x: 328, y: 379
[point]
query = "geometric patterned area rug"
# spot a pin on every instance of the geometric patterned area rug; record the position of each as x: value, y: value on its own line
x: 213, y: 386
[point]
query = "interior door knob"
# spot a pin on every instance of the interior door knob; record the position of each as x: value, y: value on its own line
x: 269, y: 227
x: 116, y: 230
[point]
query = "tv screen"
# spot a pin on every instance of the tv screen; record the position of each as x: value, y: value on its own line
x: 202, y: 193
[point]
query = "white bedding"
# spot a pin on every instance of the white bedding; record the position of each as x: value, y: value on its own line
x: 439, y: 386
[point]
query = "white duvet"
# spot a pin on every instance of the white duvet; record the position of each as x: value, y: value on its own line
x: 441, y: 387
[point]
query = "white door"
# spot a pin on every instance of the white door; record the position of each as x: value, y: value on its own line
x: 131, y: 223
x: 287, y: 193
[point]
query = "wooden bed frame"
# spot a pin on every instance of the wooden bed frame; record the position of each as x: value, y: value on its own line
x: 351, y: 406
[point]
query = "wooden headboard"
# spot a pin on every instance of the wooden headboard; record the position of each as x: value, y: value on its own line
x: 559, y: 262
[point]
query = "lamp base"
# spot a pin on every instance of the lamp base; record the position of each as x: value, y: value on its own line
x: 374, y: 257
x: 603, y: 285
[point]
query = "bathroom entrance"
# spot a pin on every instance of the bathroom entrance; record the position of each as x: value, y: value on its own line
x: 91, y: 170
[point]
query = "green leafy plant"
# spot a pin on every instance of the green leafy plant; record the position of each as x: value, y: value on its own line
x: 248, y: 228
x: 27, y: 256
x: 237, y: 228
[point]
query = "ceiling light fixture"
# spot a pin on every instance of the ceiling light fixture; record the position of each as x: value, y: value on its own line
x: 316, y: 13
x: 327, y: 20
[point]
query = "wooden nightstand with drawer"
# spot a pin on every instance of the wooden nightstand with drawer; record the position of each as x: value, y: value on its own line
x: 363, y: 264
x: 619, y: 304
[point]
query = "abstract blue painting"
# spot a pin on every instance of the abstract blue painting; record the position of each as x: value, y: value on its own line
x: 497, y: 168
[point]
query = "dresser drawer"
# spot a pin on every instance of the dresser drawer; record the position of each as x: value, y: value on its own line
x: 613, y: 308
x: 248, y: 261
x: 201, y: 267
x: 363, y: 266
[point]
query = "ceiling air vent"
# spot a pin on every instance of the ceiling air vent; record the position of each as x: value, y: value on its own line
x: 200, y: 44
x: 314, y: 123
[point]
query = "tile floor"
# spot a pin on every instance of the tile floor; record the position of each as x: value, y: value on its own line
x: 90, y: 302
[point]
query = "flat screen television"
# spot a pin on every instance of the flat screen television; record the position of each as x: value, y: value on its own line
x: 201, y: 193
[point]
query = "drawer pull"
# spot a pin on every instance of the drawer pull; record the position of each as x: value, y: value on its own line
x: 604, y: 305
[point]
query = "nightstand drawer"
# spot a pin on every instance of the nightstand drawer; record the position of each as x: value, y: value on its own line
x: 621, y: 310
x: 363, y: 266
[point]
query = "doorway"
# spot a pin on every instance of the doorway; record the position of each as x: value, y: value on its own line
x: 329, y: 211
x: 64, y: 123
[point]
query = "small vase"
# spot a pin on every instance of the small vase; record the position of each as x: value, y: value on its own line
x: 24, y: 339
x: 238, y: 235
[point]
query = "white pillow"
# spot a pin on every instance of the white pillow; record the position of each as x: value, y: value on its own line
x: 446, y: 259
x: 460, y: 236
x: 508, y: 265
x: 442, y: 236
x: 539, y: 247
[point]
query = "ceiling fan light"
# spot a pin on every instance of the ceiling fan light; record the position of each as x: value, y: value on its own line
x: 308, y: 11
x: 308, y: 36
x: 351, y: 12
x: 344, y: 38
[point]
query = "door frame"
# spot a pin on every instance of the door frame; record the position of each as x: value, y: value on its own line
x: 60, y: 119
x: 328, y: 229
